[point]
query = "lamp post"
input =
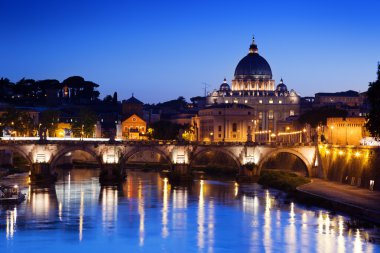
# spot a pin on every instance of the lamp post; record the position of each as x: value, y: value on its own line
x: 287, y: 129
x: 211, y: 137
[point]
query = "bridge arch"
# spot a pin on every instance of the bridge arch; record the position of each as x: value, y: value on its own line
x: 195, y: 155
x: 55, y: 158
x: 137, y: 150
x: 19, y: 151
x: 288, y: 151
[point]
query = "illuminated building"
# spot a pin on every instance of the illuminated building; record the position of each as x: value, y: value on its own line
x: 272, y: 107
x: 133, y: 127
x: 345, y: 131
x: 224, y: 122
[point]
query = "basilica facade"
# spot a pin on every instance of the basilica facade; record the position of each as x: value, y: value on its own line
x: 271, y: 106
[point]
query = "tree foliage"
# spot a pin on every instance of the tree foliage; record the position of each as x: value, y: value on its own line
x: 17, y: 122
x: 373, y: 94
x: 84, y: 126
x: 319, y: 115
x: 49, y: 120
x: 165, y: 130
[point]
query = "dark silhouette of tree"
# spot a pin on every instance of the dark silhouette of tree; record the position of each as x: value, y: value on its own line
x: 373, y: 94
x: 166, y: 130
x: 108, y: 99
x: 49, y: 120
x: 84, y: 126
x: 114, y: 99
x: 319, y: 115
x: 18, y: 122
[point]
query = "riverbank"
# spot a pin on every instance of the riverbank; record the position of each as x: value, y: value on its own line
x: 358, y: 202
x: 282, y: 180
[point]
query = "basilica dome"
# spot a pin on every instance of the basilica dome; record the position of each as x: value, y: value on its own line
x: 253, y: 66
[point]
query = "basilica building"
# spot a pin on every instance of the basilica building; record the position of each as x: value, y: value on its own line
x: 270, y: 106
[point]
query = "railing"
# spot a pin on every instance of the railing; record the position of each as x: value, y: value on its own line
x: 52, y: 140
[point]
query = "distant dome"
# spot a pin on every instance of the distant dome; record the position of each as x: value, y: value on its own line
x: 224, y: 86
x: 281, y: 87
x: 253, y: 65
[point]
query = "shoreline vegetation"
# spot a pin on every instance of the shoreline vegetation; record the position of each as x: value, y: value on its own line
x: 282, y: 180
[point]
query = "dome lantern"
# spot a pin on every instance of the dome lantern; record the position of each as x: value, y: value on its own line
x: 253, y: 47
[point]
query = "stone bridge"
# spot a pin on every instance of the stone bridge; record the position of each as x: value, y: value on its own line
x: 112, y: 156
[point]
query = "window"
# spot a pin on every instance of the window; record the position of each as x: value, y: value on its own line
x: 249, y: 113
x: 280, y: 101
x: 270, y: 101
x: 246, y: 101
x: 219, y: 135
x: 291, y: 113
x: 270, y: 115
x: 260, y: 101
x: 226, y: 101
x: 234, y: 127
x: 219, y: 128
x: 220, y: 113
x: 260, y: 115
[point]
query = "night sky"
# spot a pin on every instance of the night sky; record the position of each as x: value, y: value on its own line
x: 160, y: 50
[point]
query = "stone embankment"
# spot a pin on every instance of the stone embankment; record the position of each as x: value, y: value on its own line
x: 358, y: 202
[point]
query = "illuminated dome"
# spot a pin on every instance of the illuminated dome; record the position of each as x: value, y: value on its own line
x: 281, y: 87
x: 224, y: 86
x: 253, y: 66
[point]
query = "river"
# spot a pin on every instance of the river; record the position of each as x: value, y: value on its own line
x: 148, y: 214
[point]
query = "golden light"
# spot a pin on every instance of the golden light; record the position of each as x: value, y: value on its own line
x: 332, y: 127
x: 357, y: 153
x: 304, y: 130
x: 287, y: 128
x: 341, y: 152
x: 327, y: 151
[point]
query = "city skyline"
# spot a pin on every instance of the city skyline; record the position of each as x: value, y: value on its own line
x: 171, y: 49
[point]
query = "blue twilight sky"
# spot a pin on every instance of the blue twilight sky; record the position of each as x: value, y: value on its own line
x: 163, y: 49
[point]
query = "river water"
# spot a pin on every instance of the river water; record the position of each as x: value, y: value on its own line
x: 147, y: 214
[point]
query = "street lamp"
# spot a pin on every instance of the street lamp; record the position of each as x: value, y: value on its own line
x: 211, y: 137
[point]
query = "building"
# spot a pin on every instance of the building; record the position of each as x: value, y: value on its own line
x: 132, y: 106
x: 133, y: 128
x: 253, y: 86
x: 345, y: 131
x: 225, y: 122
x: 349, y: 98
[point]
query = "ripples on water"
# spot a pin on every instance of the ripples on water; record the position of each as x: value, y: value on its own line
x: 147, y: 214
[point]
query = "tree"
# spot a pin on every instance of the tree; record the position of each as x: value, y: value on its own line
x: 84, y: 126
x: 373, y: 95
x: 107, y: 99
x: 17, y: 122
x: 165, y: 130
x: 319, y: 115
x: 49, y: 120
x: 114, y: 99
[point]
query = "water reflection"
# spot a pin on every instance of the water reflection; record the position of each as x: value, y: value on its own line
x: 147, y: 214
x: 11, y: 219
x: 165, y: 205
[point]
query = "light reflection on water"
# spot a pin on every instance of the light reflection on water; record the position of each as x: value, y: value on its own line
x: 148, y: 214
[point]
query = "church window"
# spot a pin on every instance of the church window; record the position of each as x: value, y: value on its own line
x: 234, y: 127
x: 270, y: 115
